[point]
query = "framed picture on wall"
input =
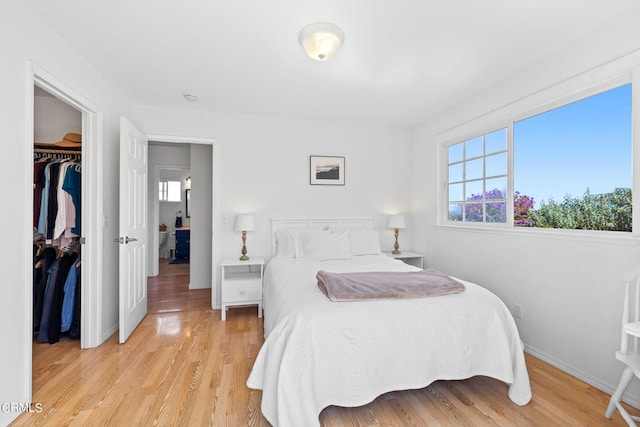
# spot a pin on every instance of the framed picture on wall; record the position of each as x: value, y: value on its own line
x: 326, y: 170
x: 188, y: 199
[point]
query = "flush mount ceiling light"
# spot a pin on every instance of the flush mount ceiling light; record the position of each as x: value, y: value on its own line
x: 321, y: 40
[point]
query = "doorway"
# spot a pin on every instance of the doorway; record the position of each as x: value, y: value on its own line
x: 178, y: 279
x: 57, y: 225
x: 91, y: 195
x: 44, y: 85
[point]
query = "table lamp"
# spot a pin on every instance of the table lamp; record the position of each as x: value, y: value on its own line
x: 396, y: 222
x: 244, y: 223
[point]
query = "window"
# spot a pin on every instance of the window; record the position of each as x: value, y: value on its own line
x: 477, y: 179
x: 169, y: 191
x: 571, y: 168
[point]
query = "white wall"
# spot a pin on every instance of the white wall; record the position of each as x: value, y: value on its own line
x: 54, y: 119
x: 201, y: 216
x: 570, y: 287
x: 263, y: 168
x: 33, y: 42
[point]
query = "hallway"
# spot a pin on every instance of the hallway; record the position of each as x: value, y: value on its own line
x: 169, y: 291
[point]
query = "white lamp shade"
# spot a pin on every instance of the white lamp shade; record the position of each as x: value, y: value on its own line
x: 321, y: 40
x: 396, y: 221
x: 244, y: 223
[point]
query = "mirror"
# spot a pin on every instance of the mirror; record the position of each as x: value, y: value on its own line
x: 188, y: 199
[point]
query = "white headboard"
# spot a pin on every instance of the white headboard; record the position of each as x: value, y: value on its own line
x: 314, y: 224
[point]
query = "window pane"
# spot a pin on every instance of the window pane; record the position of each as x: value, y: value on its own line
x: 173, y: 191
x: 473, y: 148
x: 474, y: 169
x: 455, y: 153
x: 455, y: 212
x: 473, y: 212
x: 480, y: 177
x: 455, y: 172
x: 496, y: 188
x: 496, y: 212
x: 455, y: 192
x: 496, y: 141
x: 575, y: 159
x: 496, y: 164
x: 474, y: 190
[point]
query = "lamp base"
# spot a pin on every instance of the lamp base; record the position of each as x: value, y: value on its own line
x: 396, y: 246
x: 244, y: 256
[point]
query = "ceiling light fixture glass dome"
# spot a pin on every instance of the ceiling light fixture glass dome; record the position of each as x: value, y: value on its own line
x: 321, y: 40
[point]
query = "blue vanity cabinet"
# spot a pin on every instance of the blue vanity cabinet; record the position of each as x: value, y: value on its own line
x: 183, y: 238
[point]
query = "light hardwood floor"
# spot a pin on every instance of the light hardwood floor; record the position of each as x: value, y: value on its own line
x: 169, y: 291
x: 187, y: 367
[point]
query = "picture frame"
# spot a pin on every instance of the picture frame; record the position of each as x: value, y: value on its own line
x: 326, y: 170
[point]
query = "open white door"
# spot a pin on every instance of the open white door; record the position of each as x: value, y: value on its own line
x: 133, y: 227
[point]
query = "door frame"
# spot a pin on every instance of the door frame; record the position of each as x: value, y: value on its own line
x: 91, y: 193
x: 215, y: 208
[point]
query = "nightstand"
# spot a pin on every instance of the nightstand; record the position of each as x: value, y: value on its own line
x: 411, y: 258
x: 241, y: 283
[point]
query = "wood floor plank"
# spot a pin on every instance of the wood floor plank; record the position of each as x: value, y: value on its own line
x: 183, y: 366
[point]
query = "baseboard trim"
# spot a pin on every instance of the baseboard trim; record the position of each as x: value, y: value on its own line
x: 629, y: 398
x: 107, y: 334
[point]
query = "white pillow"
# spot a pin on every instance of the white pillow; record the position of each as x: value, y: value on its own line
x: 364, y: 242
x: 297, y: 239
x: 286, y: 244
x: 323, y: 245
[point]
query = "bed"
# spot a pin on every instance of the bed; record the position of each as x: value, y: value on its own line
x: 318, y: 352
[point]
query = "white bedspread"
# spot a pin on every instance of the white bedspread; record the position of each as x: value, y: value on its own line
x: 319, y: 353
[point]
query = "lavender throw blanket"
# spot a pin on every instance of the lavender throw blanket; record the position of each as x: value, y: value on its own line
x: 386, y: 285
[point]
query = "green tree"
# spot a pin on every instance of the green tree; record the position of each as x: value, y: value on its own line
x: 610, y: 212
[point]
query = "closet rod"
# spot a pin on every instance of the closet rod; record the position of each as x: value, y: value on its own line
x: 54, y: 151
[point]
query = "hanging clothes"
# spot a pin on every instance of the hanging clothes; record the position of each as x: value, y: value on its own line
x: 65, y: 220
x: 42, y: 264
x: 51, y: 320
x: 56, y: 221
x: 69, y: 296
x: 57, y: 188
x: 52, y: 203
x: 74, y: 330
x: 38, y: 184
x: 72, y: 185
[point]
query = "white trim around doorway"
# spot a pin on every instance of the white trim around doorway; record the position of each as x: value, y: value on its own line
x: 91, y: 273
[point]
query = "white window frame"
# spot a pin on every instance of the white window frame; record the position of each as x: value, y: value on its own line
x: 572, y: 90
x: 484, y: 177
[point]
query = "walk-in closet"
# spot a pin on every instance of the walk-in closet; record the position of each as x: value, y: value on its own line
x: 57, y: 209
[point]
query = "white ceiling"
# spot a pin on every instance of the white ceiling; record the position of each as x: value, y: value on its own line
x: 402, y: 61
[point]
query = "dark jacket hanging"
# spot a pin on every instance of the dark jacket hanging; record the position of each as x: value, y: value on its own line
x: 41, y: 274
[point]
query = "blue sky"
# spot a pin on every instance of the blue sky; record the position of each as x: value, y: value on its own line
x: 583, y: 145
